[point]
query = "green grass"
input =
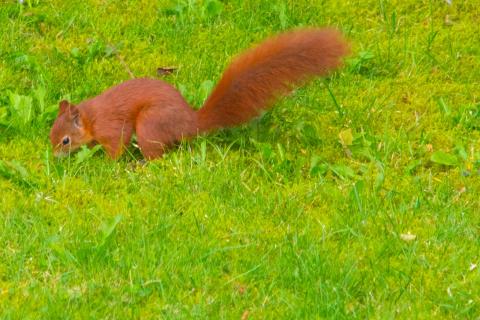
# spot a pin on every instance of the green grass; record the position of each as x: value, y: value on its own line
x: 301, y: 214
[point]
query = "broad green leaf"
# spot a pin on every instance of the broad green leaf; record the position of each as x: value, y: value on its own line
x: 40, y: 94
x: 86, y: 153
x: 213, y: 7
x: 342, y: 171
x: 444, y: 158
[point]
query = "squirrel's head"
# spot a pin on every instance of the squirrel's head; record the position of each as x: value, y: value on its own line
x: 68, y: 132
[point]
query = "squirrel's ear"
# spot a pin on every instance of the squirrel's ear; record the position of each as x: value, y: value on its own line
x: 64, y: 105
x: 77, y: 122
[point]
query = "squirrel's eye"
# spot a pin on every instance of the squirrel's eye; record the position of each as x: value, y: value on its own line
x: 66, y: 140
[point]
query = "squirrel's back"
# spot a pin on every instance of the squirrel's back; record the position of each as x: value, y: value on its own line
x: 135, y: 94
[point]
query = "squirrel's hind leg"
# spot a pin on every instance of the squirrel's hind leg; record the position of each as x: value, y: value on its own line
x: 160, y: 127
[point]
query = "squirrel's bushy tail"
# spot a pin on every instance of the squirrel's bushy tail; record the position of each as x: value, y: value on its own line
x: 258, y: 76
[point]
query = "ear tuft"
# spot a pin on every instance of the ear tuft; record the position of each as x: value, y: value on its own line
x: 63, y: 106
x: 66, y: 106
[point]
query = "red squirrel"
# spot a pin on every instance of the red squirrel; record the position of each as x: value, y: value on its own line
x: 161, y: 117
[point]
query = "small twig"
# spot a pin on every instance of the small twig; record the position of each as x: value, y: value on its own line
x: 120, y: 58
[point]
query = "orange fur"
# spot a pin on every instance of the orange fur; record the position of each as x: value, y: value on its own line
x: 160, y: 116
x: 252, y: 82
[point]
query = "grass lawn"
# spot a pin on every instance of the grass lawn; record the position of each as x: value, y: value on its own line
x: 355, y: 197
